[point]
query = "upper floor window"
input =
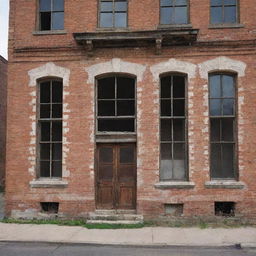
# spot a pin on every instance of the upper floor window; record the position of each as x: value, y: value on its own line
x: 113, y: 14
x: 173, y: 12
x: 51, y: 14
x: 173, y: 128
x: 222, y: 107
x: 116, y: 104
x: 223, y: 11
x: 49, y: 124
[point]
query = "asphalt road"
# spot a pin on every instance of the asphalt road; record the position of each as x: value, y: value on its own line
x: 45, y: 249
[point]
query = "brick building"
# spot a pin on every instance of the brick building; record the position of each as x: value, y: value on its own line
x: 146, y: 107
x: 3, y: 90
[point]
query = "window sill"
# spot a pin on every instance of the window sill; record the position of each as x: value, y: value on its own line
x: 49, y: 32
x: 112, y: 29
x: 230, y: 184
x: 221, y: 26
x: 48, y: 183
x: 168, y: 26
x: 175, y: 185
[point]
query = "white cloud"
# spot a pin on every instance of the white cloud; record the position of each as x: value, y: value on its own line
x: 4, y: 15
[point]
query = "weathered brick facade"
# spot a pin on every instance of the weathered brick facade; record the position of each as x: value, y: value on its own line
x: 34, y: 55
x: 3, y: 89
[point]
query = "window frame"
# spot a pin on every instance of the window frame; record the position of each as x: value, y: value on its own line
x: 113, y: 21
x: 38, y: 23
x: 175, y: 24
x: 235, y: 125
x: 38, y: 130
x: 186, y: 141
x: 115, y: 75
x: 226, y: 23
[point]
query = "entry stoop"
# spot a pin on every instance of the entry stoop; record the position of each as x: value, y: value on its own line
x: 115, y: 217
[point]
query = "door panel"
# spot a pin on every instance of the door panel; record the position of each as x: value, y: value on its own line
x: 116, y: 176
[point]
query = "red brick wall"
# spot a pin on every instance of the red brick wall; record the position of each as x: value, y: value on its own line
x: 3, y: 89
x: 77, y: 199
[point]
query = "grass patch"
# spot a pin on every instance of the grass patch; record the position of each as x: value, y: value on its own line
x: 80, y: 223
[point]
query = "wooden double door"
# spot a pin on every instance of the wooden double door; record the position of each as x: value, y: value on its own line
x: 116, y: 176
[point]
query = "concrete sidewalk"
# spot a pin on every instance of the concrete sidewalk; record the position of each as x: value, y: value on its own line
x: 144, y: 236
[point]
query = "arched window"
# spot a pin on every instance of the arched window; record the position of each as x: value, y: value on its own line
x: 222, y: 108
x: 173, y: 128
x: 49, y: 122
x: 116, y: 104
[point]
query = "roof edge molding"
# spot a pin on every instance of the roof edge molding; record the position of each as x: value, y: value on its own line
x: 221, y: 64
x: 49, y: 70
x: 115, y: 65
x: 173, y: 65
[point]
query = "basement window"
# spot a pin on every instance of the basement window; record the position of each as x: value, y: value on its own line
x: 116, y: 104
x: 51, y: 15
x: 173, y: 209
x: 50, y: 129
x: 49, y: 207
x: 224, y: 208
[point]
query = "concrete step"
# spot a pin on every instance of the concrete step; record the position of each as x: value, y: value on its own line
x: 115, y: 217
x: 119, y: 211
x: 114, y: 221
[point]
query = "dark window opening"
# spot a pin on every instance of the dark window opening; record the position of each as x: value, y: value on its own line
x: 113, y: 14
x: 116, y: 104
x: 173, y: 128
x: 224, y: 208
x: 222, y: 108
x: 51, y: 14
x: 223, y: 11
x: 173, y: 209
x: 49, y: 207
x: 50, y: 129
x: 173, y: 12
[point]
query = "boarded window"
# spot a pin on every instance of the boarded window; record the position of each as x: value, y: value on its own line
x: 222, y: 102
x: 51, y: 14
x: 113, y: 14
x: 173, y: 12
x: 223, y: 11
x: 50, y: 128
x: 173, y: 128
x: 116, y: 104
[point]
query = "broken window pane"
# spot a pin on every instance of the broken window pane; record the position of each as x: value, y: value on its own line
x: 45, y: 21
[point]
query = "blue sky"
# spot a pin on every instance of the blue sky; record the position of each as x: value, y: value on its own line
x: 4, y: 14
